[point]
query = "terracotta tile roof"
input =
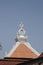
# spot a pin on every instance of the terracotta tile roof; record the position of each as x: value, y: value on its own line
x: 41, y: 55
x: 23, y: 51
x: 13, y: 61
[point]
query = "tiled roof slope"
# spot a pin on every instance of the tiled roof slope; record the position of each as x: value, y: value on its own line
x: 41, y: 55
x: 23, y: 51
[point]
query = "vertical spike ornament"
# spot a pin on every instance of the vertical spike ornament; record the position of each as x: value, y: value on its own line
x: 21, y: 34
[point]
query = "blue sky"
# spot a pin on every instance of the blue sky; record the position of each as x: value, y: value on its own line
x: 12, y: 12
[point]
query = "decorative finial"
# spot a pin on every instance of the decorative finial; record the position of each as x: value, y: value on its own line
x: 21, y: 25
x: 21, y: 29
x: 21, y: 33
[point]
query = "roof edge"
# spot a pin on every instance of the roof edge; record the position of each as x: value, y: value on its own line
x: 25, y: 43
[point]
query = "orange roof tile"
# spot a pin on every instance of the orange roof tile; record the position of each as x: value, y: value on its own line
x: 41, y: 55
x: 22, y: 51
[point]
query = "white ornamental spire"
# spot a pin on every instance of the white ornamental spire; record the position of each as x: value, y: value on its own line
x: 21, y: 30
x: 21, y: 33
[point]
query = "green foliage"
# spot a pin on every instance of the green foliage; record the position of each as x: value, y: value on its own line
x: 0, y: 46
